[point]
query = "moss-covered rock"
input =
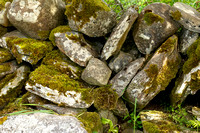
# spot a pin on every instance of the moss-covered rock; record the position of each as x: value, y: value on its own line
x: 176, y: 15
x: 150, y: 18
x: 97, y: 20
x: 3, y: 30
x: 8, y: 68
x: 5, y: 55
x: 3, y: 2
x: 29, y: 50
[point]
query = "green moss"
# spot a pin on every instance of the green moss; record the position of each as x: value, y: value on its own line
x: 193, y: 53
x: 43, y: 34
x: 5, y: 55
x: 3, y: 30
x: 105, y: 98
x: 4, y: 67
x: 48, y: 76
x: 59, y: 29
x: 91, y: 121
x: 78, y: 10
x: 3, y: 2
x: 195, y: 81
x: 168, y: 45
x: 150, y: 18
x: 35, y: 49
x: 176, y: 15
x: 150, y: 127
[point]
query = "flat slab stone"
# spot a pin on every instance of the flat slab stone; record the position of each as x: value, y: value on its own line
x: 119, y: 33
x: 42, y: 122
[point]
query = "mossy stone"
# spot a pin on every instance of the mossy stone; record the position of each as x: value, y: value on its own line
x: 5, y: 67
x: 176, y: 15
x: 5, y: 55
x: 43, y: 34
x: 150, y: 18
x: 3, y: 2
x: 195, y: 81
x: 3, y: 30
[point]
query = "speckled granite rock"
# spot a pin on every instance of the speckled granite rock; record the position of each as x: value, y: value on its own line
x: 154, y: 26
x: 119, y: 34
x: 98, y: 20
x: 36, y: 18
x: 42, y: 122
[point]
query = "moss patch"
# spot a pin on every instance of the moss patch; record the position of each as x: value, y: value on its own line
x: 91, y: 121
x: 193, y: 53
x: 5, y: 55
x: 43, y: 34
x: 150, y: 18
x: 5, y: 67
x: 176, y: 15
x: 168, y: 45
x: 105, y: 98
x: 78, y: 10
x: 195, y: 81
x: 59, y: 29
x: 3, y: 2
x: 35, y: 49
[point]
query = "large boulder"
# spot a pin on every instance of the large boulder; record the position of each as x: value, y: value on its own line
x: 91, y: 17
x: 36, y: 18
x: 154, y: 26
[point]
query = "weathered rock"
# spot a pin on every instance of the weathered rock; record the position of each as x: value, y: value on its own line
x: 8, y: 68
x: 120, y: 61
x: 122, y: 79
x: 3, y: 30
x: 156, y: 74
x: 12, y: 34
x: 187, y: 39
x: 186, y: 16
x: 74, y: 46
x: 5, y: 55
x: 95, y: 21
x: 36, y: 18
x: 34, y: 99
x: 196, y: 112
x: 3, y: 14
x: 96, y: 73
x: 120, y: 110
x: 157, y: 121
x: 42, y: 122
x: 11, y: 85
x: 119, y: 33
x: 29, y: 50
x: 154, y: 26
x: 56, y: 80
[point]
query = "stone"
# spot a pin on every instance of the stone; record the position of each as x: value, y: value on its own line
x: 8, y: 68
x: 96, y: 73
x: 5, y: 55
x: 96, y: 21
x: 29, y: 50
x: 120, y: 110
x: 120, y: 61
x: 36, y: 18
x: 186, y: 16
x: 56, y: 80
x: 157, y: 121
x: 153, y: 27
x: 3, y: 30
x: 156, y: 74
x: 119, y: 34
x: 11, y: 85
x: 12, y: 34
x: 3, y: 14
x: 74, y: 46
x: 196, y: 112
x: 121, y: 80
x: 42, y: 122
x: 187, y: 39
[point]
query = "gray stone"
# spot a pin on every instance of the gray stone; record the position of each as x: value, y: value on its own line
x: 186, y: 16
x: 120, y: 61
x: 8, y: 68
x: 36, y: 18
x: 119, y: 34
x: 156, y: 74
x: 120, y: 110
x: 122, y: 79
x: 187, y: 39
x: 74, y: 46
x: 95, y: 22
x: 12, y: 84
x: 96, y: 73
x: 153, y: 27
x: 3, y: 15
x: 42, y: 123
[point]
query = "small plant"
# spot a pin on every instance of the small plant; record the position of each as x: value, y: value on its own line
x: 112, y: 129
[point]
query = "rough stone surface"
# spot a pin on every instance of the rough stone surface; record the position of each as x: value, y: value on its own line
x: 187, y: 39
x: 154, y: 26
x: 96, y: 21
x: 156, y: 74
x: 120, y: 110
x: 12, y: 84
x: 3, y: 15
x: 96, y: 73
x: 42, y: 123
x: 186, y: 16
x: 120, y: 61
x: 75, y: 47
x: 8, y: 68
x: 119, y: 34
x: 36, y: 18
x: 121, y: 80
